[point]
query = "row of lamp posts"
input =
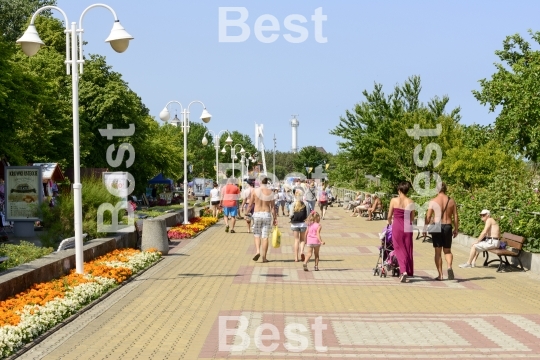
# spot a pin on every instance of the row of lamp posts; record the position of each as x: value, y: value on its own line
x: 119, y: 39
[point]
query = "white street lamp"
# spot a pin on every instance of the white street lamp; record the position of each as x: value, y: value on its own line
x: 245, y: 162
x: 165, y: 116
x: 216, y: 146
x: 233, y: 153
x: 31, y: 43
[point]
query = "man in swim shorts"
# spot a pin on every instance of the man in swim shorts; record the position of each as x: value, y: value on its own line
x: 442, y: 211
x: 229, y: 197
x: 263, y: 205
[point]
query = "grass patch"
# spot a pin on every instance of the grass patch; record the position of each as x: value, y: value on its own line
x: 21, y: 254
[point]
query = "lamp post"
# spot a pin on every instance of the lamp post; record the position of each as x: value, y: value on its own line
x: 205, y: 117
x: 31, y: 43
x: 216, y: 146
x: 245, y: 162
x: 274, y: 168
x: 233, y: 153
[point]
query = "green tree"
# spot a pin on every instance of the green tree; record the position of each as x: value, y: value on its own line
x: 516, y: 88
x: 309, y: 156
x: 15, y: 15
x: 375, y: 133
x: 345, y: 172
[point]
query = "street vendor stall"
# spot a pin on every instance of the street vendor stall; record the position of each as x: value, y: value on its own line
x: 159, y: 179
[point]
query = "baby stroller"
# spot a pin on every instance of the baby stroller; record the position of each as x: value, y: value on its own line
x: 387, y: 261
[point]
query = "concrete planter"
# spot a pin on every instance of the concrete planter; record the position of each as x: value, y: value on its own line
x: 530, y: 261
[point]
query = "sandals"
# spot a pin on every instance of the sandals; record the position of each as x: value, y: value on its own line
x: 316, y: 268
x: 232, y: 231
x: 305, y: 267
x: 256, y: 257
x: 403, y: 278
x: 227, y: 228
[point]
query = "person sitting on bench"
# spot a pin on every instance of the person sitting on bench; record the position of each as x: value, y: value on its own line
x: 488, y: 239
x: 366, y: 204
x: 375, y: 207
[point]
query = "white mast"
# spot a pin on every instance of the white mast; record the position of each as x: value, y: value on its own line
x: 259, y: 145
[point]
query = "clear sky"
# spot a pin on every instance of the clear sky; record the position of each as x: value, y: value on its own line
x: 177, y: 55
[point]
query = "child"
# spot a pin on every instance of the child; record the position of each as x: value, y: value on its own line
x: 314, y: 240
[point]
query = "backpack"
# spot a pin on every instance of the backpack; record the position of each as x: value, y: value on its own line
x: 323, y: 196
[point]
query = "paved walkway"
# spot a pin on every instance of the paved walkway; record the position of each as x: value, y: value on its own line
x: 173, y: 311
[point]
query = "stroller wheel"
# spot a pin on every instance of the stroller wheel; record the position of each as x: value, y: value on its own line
x: 375, y: 272
x: 383, y: 272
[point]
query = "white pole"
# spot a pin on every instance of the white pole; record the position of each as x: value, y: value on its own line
x: 216, y: 145
x: 185, y: 128
x: 274, y: 168
x: 242, y: 161
x: 77, y: 186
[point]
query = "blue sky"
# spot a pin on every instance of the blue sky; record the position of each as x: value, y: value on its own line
x: 177, y: 55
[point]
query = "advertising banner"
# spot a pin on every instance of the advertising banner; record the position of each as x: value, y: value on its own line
x: 24, y: 192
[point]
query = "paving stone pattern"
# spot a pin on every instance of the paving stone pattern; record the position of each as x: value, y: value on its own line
x: 173, y: 311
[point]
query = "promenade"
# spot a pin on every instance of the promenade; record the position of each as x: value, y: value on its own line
x: 173, y: 310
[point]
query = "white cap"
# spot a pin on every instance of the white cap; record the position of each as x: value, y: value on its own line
x: 485, y: 212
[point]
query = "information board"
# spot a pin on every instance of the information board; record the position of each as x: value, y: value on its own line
x: 24, y: 192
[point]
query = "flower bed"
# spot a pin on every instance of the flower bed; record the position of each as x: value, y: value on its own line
x: 207, y: 212
x: 197, y: 225
x: 31, y: 313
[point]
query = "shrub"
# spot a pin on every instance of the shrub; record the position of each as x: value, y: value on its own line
x: 21, y: 254
x: 58, y: 220
x: 510, y: 198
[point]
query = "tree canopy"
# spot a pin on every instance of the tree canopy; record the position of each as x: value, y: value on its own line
x: 515, y: 88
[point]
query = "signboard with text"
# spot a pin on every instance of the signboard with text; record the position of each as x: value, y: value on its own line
x: 24, y: 192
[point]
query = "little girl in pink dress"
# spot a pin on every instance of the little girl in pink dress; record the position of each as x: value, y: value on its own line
x: 313, y: 238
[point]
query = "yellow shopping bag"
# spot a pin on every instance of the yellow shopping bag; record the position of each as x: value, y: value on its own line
x: 276, y: 237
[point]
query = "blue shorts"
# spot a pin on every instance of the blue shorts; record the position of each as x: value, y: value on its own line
x: 230, y: 211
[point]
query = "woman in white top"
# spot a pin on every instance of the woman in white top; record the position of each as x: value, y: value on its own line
x: 215, y: 199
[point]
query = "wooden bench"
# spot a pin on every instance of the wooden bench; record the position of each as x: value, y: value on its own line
x: 514, y: 243
x: 68, y: 243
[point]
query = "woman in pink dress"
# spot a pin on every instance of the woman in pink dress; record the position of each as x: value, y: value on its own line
x: 401, y: 216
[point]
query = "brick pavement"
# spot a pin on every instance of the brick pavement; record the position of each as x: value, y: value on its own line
x: 173, y: 311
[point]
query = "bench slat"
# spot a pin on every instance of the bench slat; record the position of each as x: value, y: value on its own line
x: 513, y: 241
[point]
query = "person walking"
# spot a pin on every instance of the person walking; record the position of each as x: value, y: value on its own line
x: 215, y: 200
x: 488, y: 239
x: 229, y: 197
x: 282, y: 200
x: 401, y: 216
x: 322, y: 198
x: 311, y: 196
x: 299, y: 214
x: 442, y: 212
x: 248, y: 210
x: 262, y: 203
x: 313, y: 238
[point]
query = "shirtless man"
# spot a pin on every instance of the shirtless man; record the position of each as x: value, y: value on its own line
x: 376, y: 206
x: 488, y: 239
x: 263, y: 205
x: 443, y: 205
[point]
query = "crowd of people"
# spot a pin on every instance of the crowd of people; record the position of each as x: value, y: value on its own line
x: 261, y: 205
